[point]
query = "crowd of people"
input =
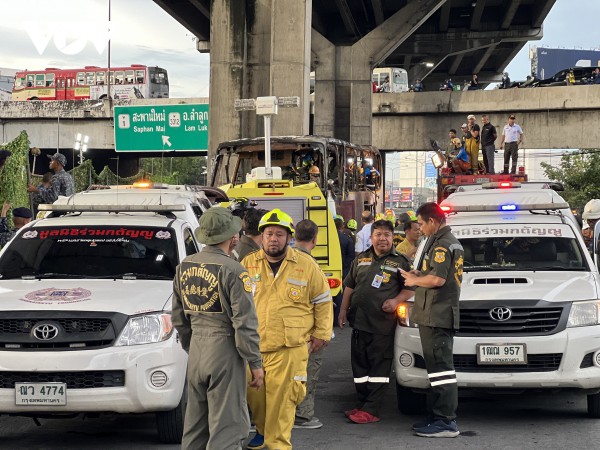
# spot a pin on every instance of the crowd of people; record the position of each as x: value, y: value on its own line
x: 256, y: 314
x: 462, y: 152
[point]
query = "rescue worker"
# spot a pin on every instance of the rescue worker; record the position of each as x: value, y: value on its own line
x: 591, y: 214
x: 436, y: 311
x: 62, y: 183
x: 21, y: 217
x: 305, y: 234
x: 295, y: 318
x: 350, y: 230
x: 373, y: 289
x: 251, y: 239
x: 215, y: 317
x: 412, y: 232
x: 315, y: 175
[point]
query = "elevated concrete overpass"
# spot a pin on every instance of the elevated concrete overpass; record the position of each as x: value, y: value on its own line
x: 268, y: 47
x: 556, y: 117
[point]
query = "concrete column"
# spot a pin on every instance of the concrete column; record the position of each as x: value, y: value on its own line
x: 291, y: 23
x: 354, y: 65
x: 324, y: 63
x: 258, y: 59
x: 227, y: 30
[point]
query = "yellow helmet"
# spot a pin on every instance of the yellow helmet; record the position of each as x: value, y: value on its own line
x: 276, y: 217
x: 352, y: 225
x: 390, y: 215
x: 314, y: 170
x: 379, y: 216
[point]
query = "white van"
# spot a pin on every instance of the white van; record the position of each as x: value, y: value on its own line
x: 529, y: 303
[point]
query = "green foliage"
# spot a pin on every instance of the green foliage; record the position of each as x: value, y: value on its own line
x: 176, y: 170
x: 579, y: 172
x: 13, y: 176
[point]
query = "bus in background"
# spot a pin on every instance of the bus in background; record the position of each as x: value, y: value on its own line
x: 398, y: 78
x: 349, y: 175
x: 91, y: 83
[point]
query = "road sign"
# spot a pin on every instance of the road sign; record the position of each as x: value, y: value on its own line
x: 159, y: 128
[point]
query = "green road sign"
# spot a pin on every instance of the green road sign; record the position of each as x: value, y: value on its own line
x: 161, y: 128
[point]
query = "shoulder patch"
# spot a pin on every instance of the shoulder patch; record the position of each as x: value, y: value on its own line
x: 440, y: 256
x: 246, y: 280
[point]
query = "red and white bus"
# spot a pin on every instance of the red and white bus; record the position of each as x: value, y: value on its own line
x: 91, y: 83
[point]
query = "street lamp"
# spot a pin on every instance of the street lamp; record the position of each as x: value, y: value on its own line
x: 81, y: 145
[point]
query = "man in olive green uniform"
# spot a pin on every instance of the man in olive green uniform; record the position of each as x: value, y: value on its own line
x: 214, y: 313
x: 437, y: 314
x: 373, y: 289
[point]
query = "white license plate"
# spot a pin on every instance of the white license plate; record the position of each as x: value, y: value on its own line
x: 501, y: 354
x: 40, y: 394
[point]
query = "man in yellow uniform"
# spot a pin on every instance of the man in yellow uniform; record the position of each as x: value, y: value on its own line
x: 295, y: 317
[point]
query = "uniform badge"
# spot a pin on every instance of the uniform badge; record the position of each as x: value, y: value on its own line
x: 246, y: 280
x: 424, y: 265
x: 294, y: 293
x: 439, y: 257
x: 386, y: 277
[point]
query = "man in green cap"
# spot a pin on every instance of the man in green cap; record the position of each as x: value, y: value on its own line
x: 214, y: 313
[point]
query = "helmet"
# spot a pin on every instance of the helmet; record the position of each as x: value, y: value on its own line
x: 379, y: 216
x: 314, y: 170
x: 592, y: 209
x: 352, y: 225
x: 339, y: 216
x: 412, y: 215
x: 457, y: 142
x: 390, y: 215
x: 276, y: 217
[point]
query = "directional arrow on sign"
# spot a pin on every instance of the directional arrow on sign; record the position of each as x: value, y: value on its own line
x: 165, y: 140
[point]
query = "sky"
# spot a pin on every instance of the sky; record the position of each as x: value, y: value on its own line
x: 53, y: 33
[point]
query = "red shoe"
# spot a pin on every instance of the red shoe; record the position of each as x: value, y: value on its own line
x: 351, y: 412
x: 363, y: 417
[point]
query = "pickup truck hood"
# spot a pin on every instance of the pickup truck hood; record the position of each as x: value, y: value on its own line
x: 551, y: 286
x: 125, y: 296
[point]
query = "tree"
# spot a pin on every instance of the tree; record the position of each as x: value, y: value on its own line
x: 14, y: 174
x: 176, y: 170
x: 579, y: 172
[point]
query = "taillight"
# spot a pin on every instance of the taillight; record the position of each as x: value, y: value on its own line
x: 446, y: 208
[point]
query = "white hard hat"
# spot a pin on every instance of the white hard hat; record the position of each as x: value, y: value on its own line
x: 592, y: 209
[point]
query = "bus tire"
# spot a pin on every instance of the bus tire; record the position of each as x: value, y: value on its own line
x: 34, y: 99
x: 104, y: 97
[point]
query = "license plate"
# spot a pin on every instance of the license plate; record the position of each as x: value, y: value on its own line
x: 501, y: 354
x: 41, y: 394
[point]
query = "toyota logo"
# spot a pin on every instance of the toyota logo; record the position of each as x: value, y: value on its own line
x: 45, y: 331
x: 500, y: 313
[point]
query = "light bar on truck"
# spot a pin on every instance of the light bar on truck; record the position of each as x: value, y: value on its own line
x: 111, y: 208
x: 507, y: 207
x: 501, y: 185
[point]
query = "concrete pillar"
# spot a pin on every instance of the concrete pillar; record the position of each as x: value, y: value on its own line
x: 258, y: 59
x: 354, y: 65
x: 324, y: 63
x: 291, y: 23
x: 227, y: 30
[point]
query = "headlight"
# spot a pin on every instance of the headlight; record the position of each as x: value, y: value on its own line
x: 584, y: 314
x: 146, y: 329
x: 403, y: 311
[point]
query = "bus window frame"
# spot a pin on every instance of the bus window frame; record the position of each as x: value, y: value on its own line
x: 100, y: 78
x: 137, y: 77
x: 40, y: 80
x: 50, y: 80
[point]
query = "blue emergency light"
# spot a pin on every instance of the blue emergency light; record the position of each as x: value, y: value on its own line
x: 508, y: 207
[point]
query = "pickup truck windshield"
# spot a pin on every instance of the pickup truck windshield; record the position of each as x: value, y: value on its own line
x: 522, y: 253
x: 91, y: 252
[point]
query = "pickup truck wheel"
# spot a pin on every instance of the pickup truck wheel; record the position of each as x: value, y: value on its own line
x: 593, y: 404
x: 169, y: 424
x: 409, y: 401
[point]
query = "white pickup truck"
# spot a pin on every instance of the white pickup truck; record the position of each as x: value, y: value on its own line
x: 85, y: 323
x: 529, y: 303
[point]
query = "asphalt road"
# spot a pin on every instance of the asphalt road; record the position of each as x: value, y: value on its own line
x: 555, y: 421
